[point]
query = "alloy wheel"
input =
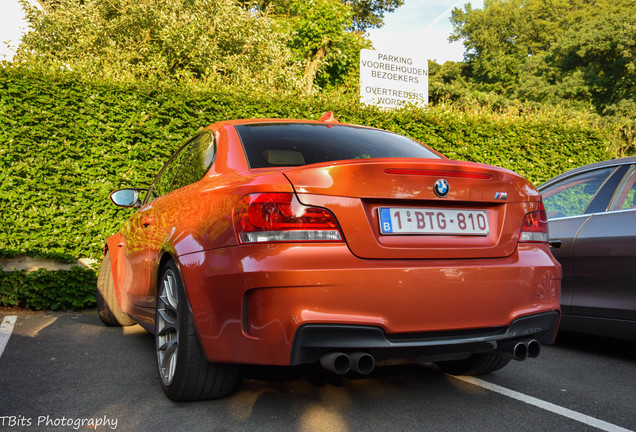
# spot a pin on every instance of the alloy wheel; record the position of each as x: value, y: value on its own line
x: 167, y: 326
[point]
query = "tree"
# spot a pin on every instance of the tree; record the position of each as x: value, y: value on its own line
x: 204, y: 40
x: 326, y: 36
x: 291, y: 44
x: 500, y: 37
x: 319, y: 40
x: 364, y: 13
x: 551, y: 50
x: 599, y: 56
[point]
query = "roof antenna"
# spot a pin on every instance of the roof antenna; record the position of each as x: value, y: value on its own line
x: 328, y: 118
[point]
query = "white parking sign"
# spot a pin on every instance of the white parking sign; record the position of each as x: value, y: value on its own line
x: 393, y: 80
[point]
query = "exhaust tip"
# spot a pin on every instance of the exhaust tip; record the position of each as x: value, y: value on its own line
x: 520, y: 351
x: 362, y: 363
x: 336, y: 362
x: 534, y: 348
x: 516, y: 350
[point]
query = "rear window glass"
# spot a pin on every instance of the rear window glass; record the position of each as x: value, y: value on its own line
x: 294, y: 144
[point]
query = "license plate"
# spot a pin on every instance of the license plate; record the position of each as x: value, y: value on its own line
x: 433, y: 221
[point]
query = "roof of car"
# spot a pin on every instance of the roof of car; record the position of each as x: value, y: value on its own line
x: 597, y: 165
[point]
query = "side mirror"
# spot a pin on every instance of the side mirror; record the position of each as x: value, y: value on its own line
x: 126, y: 197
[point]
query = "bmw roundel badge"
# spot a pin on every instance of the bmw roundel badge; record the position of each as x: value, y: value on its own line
x: 441, y: 188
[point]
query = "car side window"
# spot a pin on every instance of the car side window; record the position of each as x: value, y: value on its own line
x: 196, y: 162
x: 625, y: 198
x: 573, y: 195
x: 163, y: 183
x: 188, y: 165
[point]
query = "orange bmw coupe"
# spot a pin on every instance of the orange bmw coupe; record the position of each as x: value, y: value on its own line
x: 295, y: 242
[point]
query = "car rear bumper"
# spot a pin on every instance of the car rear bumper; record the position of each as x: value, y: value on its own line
x: 267, y: 304
x: 312, y: 341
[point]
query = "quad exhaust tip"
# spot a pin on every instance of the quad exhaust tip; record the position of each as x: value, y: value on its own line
x: 341, y: 363
x: 363, y: 363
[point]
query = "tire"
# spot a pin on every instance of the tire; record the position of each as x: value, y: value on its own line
x: 184, y: 372
x: 477, y: 364
x: 107, y: 307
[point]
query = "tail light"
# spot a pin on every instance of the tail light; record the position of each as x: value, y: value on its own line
x: 535, y: 226
x: 280, y: 217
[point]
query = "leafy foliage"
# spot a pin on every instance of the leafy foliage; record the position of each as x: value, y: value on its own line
x: 581, y: 51
x: 268, y: 45
x: 204, y: 40
x: 370, y: 13
x: 579, y: 55
x: 42, y: 289
x: 597, y: 58
x: 320, y: 41
x: 364, y: 13
x: 297, y: 45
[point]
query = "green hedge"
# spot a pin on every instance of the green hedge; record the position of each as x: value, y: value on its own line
x: 67, y: 142
x: 44, y: 289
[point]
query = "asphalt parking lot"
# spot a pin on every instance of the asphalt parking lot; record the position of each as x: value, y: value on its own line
x: 66, y: 371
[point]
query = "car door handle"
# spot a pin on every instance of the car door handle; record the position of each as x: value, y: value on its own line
x: 147, y: 220
x: 555, y: 244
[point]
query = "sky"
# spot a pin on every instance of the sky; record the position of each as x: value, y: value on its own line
x: 421, y: 28
x: 12, y: 26
x: 418, y: 27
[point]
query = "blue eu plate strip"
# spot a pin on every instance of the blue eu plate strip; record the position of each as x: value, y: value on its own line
x: 385, y: 221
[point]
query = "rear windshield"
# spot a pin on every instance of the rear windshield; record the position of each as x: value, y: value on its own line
x: 295, y: 144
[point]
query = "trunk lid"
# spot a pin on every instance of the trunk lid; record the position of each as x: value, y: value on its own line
x: 388, y: 208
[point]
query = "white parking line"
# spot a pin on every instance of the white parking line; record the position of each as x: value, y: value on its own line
x: 6, y: 328
x: 590, y: 421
